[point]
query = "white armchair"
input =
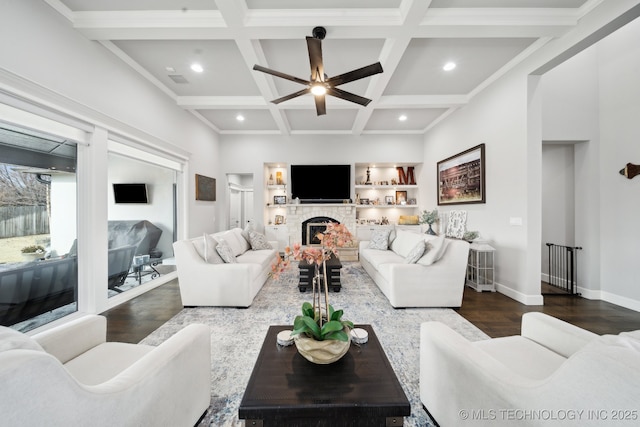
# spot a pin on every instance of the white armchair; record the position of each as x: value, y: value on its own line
x: 553, y: 374
x: 69, y: 376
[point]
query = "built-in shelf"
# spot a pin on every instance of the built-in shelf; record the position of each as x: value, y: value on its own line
x: 387, y: 206
x: 277, y: 187
x: 385, y: 187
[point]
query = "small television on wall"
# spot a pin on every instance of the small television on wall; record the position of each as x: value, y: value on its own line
x: 130, y: 193
x: 321, y: 183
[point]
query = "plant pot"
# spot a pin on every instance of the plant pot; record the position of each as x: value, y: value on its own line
x: 31, y: 256
x: 321, y: 352
x: 430, y: 231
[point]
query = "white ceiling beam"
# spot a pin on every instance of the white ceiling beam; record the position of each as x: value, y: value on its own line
x: 390, y: 56
x: 344, y: 24
x: 234, y: 13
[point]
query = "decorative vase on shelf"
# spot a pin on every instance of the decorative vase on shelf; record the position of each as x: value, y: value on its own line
x: 271, y: 179
x: 430, y: 231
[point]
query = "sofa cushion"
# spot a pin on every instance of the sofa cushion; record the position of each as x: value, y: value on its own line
x: 238, y: 244
x: 416, y: 253
x: 258, y: 241
x: 10, y: 339
x: 225, y: 251
x: 523, y: 356
x: 264, y: 258
x: 405, y: 242
x: 105, y: 361
x: 380, y: 239
x: 206, y: 248
x: 435, y: 250
x: 376, y: 257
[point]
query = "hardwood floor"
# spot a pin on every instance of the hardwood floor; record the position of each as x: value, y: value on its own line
x: 495, y: 314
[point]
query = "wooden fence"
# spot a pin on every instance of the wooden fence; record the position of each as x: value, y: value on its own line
x: 16, y: 221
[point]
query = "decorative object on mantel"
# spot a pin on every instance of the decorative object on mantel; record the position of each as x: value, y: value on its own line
x: 461, y: 178
x: 320, y: 334
x: 429, y: 217
x: 457, y: 224
x: 630, y: 170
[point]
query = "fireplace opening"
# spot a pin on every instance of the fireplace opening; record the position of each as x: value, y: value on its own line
x: 313, y: 226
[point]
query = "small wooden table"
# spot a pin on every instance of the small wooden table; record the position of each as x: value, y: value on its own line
x: 359, y: 390
x: 333, y: 274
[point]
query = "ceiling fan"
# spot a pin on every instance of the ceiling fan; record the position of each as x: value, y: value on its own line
x: 319, y: 84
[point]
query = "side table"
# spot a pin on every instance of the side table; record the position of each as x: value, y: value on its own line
x: 480, y: 267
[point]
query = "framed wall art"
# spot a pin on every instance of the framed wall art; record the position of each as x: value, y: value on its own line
x: 401, y: 197
x: 461, y: 178
x: 205, y: 188
x: 279, y: 200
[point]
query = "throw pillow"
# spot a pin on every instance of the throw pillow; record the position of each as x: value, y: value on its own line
x: 210, y: 253
x: 435, y: 250
x: 225, y: 251
x: 247, y: 229
x: 380, y: 239
x: 416, y: 253
x: 258, y: 241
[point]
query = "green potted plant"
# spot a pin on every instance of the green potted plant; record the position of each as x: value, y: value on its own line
x: 32, y: 252
x: 320, y: 334
x: 429, y: 217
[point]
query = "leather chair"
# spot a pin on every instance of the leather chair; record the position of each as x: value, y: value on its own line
x: 70, y: 376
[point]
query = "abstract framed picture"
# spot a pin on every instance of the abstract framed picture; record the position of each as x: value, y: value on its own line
x: 205, y: 188
x: 461, y: 178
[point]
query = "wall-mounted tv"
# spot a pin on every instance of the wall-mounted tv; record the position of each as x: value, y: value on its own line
x: 321, y: 183
x: 130, y: 193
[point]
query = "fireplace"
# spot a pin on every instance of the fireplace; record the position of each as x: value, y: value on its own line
x: 313, y: 226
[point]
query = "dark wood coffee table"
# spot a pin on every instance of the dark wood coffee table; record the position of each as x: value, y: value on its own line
x: 333, y: 274
x: 359, y: 390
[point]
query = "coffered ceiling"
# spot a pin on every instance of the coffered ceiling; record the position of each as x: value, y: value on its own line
x: 413, y: 40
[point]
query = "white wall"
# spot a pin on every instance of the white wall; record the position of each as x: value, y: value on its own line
x: 311, y: 149
x: 508, y: 117
x: 619, y: 94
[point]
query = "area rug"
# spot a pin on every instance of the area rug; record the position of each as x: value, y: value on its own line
x: 237, y: 335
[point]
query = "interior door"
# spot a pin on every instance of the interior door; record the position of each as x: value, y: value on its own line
x: 235, y: 208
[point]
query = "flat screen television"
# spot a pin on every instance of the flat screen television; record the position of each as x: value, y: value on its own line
x: 321, y: 183
x: 130, y: 193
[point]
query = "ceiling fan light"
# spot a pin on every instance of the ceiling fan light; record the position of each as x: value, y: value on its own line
x: 318, y: 89
x: 197, y: 67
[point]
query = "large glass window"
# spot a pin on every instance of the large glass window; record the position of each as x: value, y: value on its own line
x: 142, y: 216
x: 38, y: 263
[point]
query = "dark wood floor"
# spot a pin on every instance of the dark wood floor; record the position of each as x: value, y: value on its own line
x: 492, y: 312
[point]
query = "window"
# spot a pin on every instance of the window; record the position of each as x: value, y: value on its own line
x: 38, y: 228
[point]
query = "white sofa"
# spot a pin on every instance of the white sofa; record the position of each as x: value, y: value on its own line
x: 553, y: 374
x: 69, y: 376
x: 218, y: 283
x: 436, y: 279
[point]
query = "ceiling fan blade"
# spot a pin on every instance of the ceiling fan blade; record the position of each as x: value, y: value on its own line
x: 314, y: 46
x: 292, y: 95
x: 281, y: 75
x: 321, y: 107
x: 360, y: 73
x: 348, y: 96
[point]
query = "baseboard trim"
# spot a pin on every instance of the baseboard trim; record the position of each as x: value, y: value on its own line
x: 519, y: 296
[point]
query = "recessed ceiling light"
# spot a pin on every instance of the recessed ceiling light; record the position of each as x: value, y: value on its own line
x: 197, y: 67
x: 449, y: 66
x: 402, y: 118
x: 170, y: 69
x: 240, y: 118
